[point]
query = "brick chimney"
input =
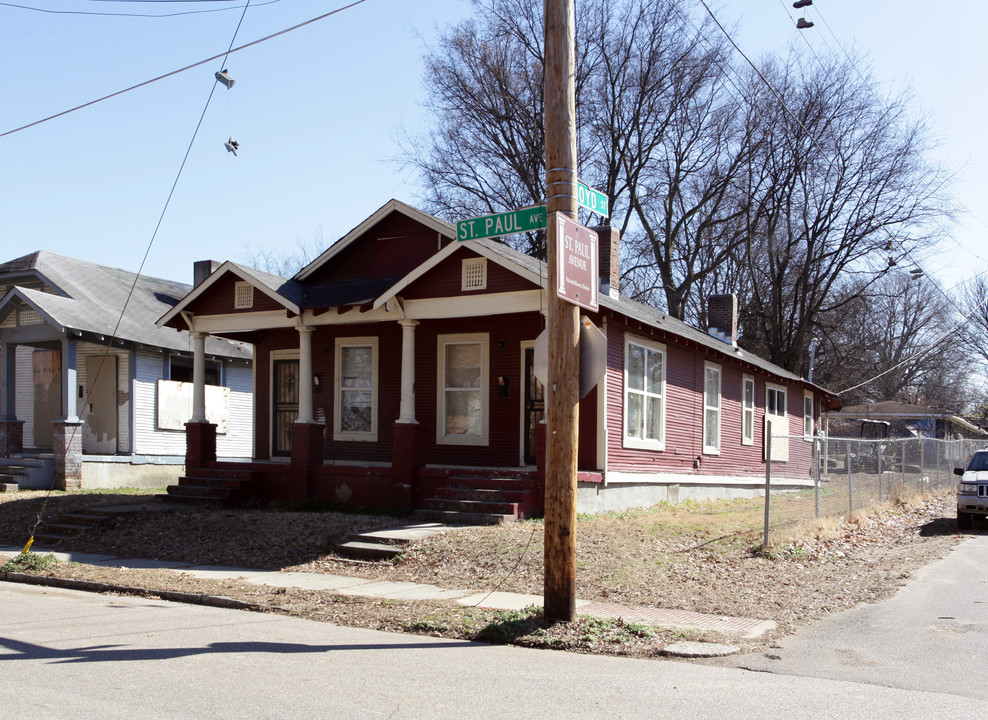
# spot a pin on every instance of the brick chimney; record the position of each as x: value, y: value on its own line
x: 609, y: 259
x: 202, y: 269
x: 722, y: 317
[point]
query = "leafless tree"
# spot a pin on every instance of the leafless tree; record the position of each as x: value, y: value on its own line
x: 285, y: 261
x: 892, y: 340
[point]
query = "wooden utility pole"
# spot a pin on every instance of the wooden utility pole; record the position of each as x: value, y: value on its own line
x: 563, y: 393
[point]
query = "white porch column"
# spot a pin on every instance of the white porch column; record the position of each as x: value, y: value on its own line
x: 406, y: 412
x: 70, y: 385
x: 305, y: 374
x: 199, y: 377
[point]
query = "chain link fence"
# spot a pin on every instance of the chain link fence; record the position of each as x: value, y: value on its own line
x: 852, y: 474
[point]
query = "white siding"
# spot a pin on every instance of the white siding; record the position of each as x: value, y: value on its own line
x: 150, y: 440
x: 24, y: 392
x: 86, y: 350
x: 239, y: 441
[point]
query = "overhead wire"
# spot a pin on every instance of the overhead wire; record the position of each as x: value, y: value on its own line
x: 136, y: 15
x: 183, y: 69
x: 137, y: 276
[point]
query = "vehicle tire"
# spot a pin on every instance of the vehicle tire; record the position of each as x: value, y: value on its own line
x: 964, y: 520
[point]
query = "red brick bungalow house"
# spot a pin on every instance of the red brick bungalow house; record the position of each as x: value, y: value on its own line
x: 396, y: 371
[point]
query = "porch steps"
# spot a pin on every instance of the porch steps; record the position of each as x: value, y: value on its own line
x: 481, y: 500
x: 72, y: 525
x: 26, y: 471
x: 386, y: 544
x: 213, y: 487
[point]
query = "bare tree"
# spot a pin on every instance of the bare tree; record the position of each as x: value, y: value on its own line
x: 850, y: 192
x: 892, y: 341
x: 283, y: 261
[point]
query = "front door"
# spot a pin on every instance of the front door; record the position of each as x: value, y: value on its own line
x: 47, y: 372
x: 284, y: 384
x: 100, y: 428
x: 534, y: 406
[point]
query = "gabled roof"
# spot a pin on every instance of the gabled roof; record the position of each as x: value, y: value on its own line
x: 94, y: 296
x: 286, y: 293
x: 535, y: 270
x: 392, y: 206
x: 518, y: 263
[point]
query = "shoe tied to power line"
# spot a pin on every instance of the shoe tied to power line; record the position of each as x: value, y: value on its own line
x: 224, y: 77
x: 232, y: 146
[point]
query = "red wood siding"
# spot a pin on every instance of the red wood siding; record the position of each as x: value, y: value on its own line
x: 218, y: 299
x: 684, y: 415
x: 391, y: 248
x: 446, y: 280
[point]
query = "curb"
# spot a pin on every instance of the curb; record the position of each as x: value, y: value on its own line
x: 218, y: 601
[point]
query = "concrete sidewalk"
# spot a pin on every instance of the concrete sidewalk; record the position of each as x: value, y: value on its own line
x: 728, y: 627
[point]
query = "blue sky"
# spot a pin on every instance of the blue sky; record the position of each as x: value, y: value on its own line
x: 318, y: 111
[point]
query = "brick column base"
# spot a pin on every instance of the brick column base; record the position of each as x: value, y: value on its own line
x: 200, y: 445
x: 68, y: 455
x: 11, y: 437
x: 406, y: 459
x: 307, y: 453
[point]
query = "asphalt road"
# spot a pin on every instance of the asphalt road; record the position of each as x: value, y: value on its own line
x: 67, y: 654
x: 931, y: 636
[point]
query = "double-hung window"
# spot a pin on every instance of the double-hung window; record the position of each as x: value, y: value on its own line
x: 808, y: 415
x: 463, y: 389
x: 748, y: 410
x: 776, y: 423
x: 711, y: 408
x: 644, y: 394
x: 356, y: 389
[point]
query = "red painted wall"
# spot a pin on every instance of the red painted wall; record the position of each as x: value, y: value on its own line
x: 684, y: 414
x: 392, y: 248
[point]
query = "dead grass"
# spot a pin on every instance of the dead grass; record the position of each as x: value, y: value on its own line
x: 704, y: 557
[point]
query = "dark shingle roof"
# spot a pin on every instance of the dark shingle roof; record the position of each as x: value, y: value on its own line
x: 96, y: 295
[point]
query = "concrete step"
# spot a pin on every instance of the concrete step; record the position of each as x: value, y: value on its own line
x: 369, y: 550
x: 452, y: 517
x: 483, y: 494
x: 7, y: 486
x: 487, y: 507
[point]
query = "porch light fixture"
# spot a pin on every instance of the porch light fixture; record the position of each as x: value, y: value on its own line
x: 316, y: 382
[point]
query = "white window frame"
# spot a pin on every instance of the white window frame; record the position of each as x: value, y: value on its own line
x: 643, y: 443
x: 808, y: 404
x: 483, y: 339
x: 747, y: 410
x: 711, y: 448
x: 352, y: 342
x: 778, y: 390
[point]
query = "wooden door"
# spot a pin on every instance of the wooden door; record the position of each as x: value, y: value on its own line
x: 100, y: 413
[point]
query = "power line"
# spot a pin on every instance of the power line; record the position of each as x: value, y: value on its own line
x: 136, y: 15
x: 181, y: 70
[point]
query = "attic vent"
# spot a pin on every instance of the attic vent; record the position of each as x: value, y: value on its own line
x: 474, y: 274
x: 243, y: 296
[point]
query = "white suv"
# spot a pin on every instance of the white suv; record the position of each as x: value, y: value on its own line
x: 972, y: 490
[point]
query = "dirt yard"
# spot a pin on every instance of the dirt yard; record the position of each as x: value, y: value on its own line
x: 703, y: 557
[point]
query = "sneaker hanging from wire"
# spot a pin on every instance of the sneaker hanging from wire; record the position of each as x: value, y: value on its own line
x: 232, y: 146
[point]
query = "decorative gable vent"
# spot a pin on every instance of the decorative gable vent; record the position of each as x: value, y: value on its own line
x: 243, y: 296
x: 474, y: 274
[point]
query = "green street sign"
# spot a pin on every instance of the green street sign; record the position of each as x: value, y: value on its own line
x: 593, y: 200
x: 509, y: 223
